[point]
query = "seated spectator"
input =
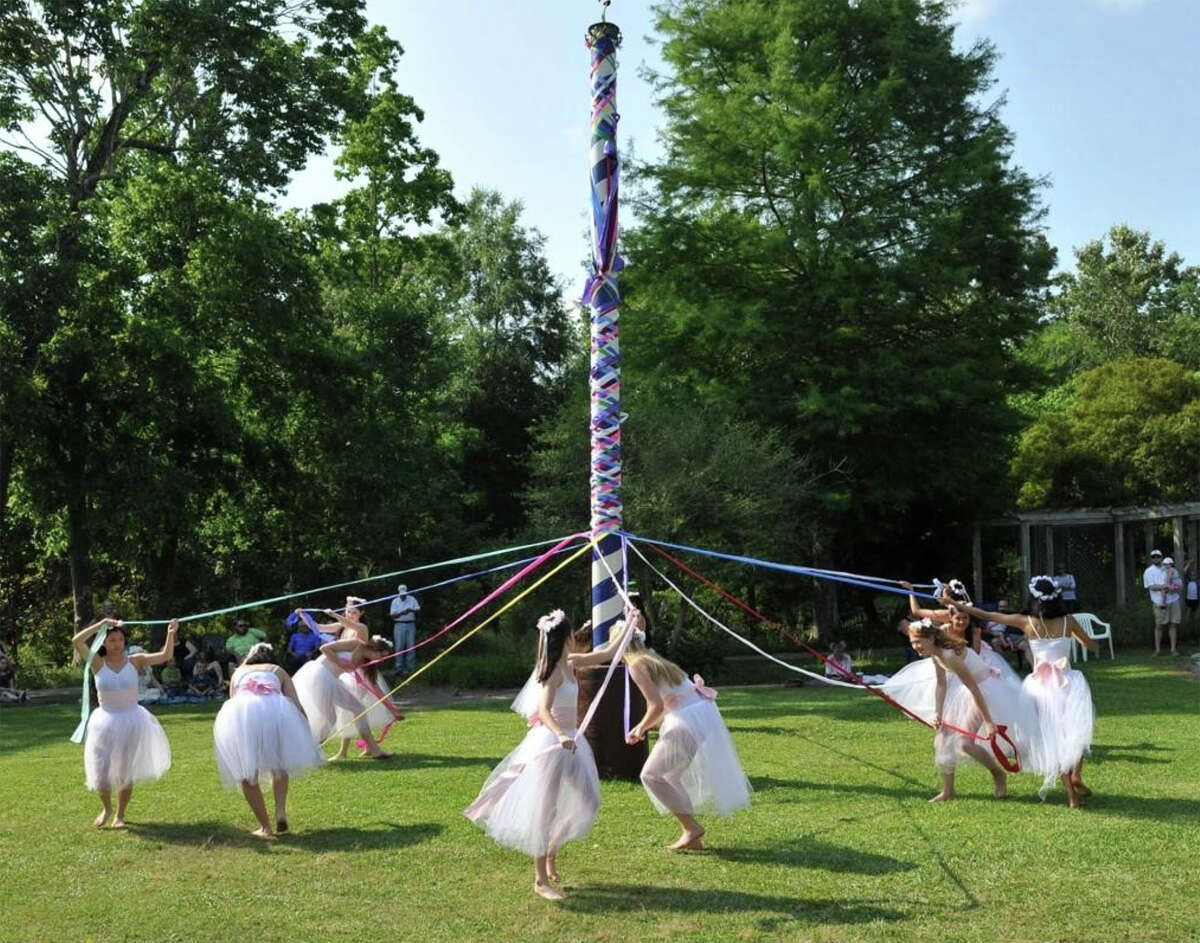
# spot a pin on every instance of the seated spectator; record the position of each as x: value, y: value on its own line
x: 172, y: 679
x: 238, y: 645
x: 840, y: 659
x: 207, y: 678
x: 150, y: 689
x: 1007, y: 640
x: 303, y: 645
x: 9, y: 692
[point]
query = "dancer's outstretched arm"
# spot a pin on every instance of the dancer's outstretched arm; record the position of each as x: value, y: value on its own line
x: 80, y: 640
x: 142, y: 660
x: 937, y: 615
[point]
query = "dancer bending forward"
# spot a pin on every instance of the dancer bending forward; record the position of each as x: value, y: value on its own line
x: 694, y: 766
x: 546, y: 792
x: 261, y: 731
x: 331, y: 705
x: 125, y: 743
x: 953, y: 687
x: 1066, y: 714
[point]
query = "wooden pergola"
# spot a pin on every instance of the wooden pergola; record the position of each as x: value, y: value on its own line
x: 1185, y: 536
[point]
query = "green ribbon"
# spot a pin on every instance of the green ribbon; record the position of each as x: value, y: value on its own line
x: 85, y: 702
x: 332, y: 586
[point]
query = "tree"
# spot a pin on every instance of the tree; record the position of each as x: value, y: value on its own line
x: 239, y: 94
x: 837, y: 245
x: 1128, y: 437
x: 1130, y: 297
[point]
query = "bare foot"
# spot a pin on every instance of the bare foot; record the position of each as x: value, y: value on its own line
x: 1082, y: 791
x: 688, y: 841
x: 552, y: 870
x: 118, y: 823
x: 1000, y: 791
x: 261, y: 832
x: 942, y: 796
x: 281, y: 826
x: 100, y: 819
x: 548, y: 891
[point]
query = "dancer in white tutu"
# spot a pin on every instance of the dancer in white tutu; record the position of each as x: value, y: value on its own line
x: 1066, y: 714
x: 124, y: 743
x: 261, y: 731
x: 323, y: 695
x: 546, y: 792
x: 347, y: 624
x: 363, y: 682
x: 694, y: 766
x: 952, y: 687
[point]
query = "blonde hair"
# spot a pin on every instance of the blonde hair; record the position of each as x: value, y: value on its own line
x: 662, y: 672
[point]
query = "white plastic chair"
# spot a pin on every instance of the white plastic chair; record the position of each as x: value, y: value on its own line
x: 1097, y: 630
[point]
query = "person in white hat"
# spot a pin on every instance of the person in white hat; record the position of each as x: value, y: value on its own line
x: 403, y: 611
x: 1164, y: 597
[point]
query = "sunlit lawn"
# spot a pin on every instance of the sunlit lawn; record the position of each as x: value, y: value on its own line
x: 840, y: 843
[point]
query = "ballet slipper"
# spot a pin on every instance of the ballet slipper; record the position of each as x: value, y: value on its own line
x: 548, y: 891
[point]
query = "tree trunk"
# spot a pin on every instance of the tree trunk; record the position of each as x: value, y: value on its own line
x: 677, y: 632
x: 7, y: 447
x: 78, y: 552
x: 825, y: 591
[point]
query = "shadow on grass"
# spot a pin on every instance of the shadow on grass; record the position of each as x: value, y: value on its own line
x: 1129, y: 753
x: 1158, y: 809
x: 623, y: 898
x: 202, y: 835
x: 916, y: 791
x: 410, y: 761
x: 809, y: 852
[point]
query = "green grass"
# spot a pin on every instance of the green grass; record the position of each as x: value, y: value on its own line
x: 840, y: 843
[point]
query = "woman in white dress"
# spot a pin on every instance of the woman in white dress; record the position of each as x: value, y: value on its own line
x: 546, y: 792
x: 124, y: 742
x: 956, y: 690
x: 1066, y: 714
x: 261, y: 731
x: 694, y: 766
x: 363, y: 681
x: 330, y: 705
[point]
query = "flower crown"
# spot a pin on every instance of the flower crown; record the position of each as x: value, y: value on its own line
x: 1037, y: 593
x: 550, y: 621
x: 958, y: 591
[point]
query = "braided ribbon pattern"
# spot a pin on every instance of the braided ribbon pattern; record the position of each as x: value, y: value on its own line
x: 601, y: 293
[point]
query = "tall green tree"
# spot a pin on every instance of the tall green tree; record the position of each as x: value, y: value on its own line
x: 1128, y: 436
x: 98, y: 95
x: 837, y: 241
x: 1128, y: 297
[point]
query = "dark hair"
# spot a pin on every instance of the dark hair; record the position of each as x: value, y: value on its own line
x: 937, y: 632
x: 103, y: 650
x: 260, y: 654
x: 1050, y: 608
x: 550, y: 648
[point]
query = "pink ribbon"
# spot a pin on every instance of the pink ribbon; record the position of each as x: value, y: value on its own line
x: 702, y: 689
x: 1055, y: 671
x: 256, y: 686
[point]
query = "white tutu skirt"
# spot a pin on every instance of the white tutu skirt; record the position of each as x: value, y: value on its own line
x: 260, y: 735
x: 915, y: 687
x: 378, y: 717
x: 695, y: 757
x: 1010, y: 707
x: 124, y: 746
x: 540, y: 796
x: 1066, y: 718
x: 322, y: 694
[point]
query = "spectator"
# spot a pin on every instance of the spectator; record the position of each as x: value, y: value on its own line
x: 207, y: 678
x: 150, y: 689
x: 1192, y: 591
x: 840, y: 658
x: 172, y: 679
x: 238, y: 645
x: 9, y: 692
x: 303, y: 645
x: 1005, y: 638
x: 403, y: 611
x: 1066, y: 582
x: 1155, y: 580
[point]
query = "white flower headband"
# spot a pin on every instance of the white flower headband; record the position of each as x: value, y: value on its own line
x: 958, y: 591
x: 550, y: 621
x: 1039, y: 594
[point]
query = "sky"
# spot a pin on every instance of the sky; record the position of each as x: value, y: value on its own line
x: 1101, y: 98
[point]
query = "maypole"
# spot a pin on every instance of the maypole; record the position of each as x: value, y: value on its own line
x: 603, y: 297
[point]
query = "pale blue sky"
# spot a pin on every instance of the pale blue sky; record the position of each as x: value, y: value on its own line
x: 1101, y: 99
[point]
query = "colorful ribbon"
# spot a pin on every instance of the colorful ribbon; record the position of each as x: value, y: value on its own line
x: 85, y: 701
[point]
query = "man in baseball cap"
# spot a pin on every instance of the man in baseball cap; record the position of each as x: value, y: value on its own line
x: 1162, y: 581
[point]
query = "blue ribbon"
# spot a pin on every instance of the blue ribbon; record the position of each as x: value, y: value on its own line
x: 85, y: 704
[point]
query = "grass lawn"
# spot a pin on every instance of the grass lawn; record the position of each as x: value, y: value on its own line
x: 840, y: 843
